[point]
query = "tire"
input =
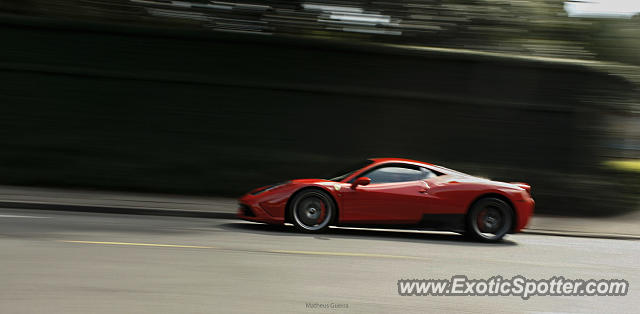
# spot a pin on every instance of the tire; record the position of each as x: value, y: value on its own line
x: 312, y: 211
x: 489, y: 220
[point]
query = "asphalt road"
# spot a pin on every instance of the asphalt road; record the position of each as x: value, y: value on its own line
x: 70, y: 262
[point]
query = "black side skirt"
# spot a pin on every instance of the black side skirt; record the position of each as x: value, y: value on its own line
x: 440, y: 222
x: 452, y: 222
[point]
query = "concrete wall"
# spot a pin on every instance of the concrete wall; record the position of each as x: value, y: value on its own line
x: 122, y: 107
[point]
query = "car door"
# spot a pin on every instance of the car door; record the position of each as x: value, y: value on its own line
x: 396, y: 195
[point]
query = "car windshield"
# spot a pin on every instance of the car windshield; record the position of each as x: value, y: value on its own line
x: 349, y: 170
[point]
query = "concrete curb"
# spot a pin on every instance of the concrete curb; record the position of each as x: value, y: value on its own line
x: 222, y: 215
x: 117, y: 210
x: 576, y: 234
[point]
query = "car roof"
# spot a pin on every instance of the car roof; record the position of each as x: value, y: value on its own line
x: 410, y: 161
x: 403, y: 160
x: 378, y: 161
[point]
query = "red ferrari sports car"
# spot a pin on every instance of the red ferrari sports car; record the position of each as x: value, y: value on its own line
x: 395, y: 193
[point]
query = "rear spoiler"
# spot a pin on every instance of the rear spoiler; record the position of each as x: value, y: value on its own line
x: 523, y: 185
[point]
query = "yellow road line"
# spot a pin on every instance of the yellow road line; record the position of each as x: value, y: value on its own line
x: 346, y: 254
x: 142, y: 244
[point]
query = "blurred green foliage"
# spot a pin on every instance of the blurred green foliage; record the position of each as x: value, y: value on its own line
x: 525, y: 27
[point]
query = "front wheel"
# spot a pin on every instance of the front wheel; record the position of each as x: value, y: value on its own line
x: 489, y: 219
x: 312, y: 211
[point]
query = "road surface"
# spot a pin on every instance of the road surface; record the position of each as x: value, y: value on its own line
x: 72, y: 262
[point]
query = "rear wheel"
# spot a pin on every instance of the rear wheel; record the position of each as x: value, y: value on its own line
x: 489, y: 219
x: 312, y: 211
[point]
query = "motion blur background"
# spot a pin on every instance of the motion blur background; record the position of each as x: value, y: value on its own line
x: 215, y: 98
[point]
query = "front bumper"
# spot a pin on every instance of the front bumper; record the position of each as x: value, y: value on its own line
x: 250, y: 209
x: 524, y: 209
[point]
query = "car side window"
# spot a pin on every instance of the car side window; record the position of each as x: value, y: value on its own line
x: 427, y: 173
x: 391, y: 174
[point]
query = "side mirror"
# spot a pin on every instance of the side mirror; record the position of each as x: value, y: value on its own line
x: 360, y: 181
